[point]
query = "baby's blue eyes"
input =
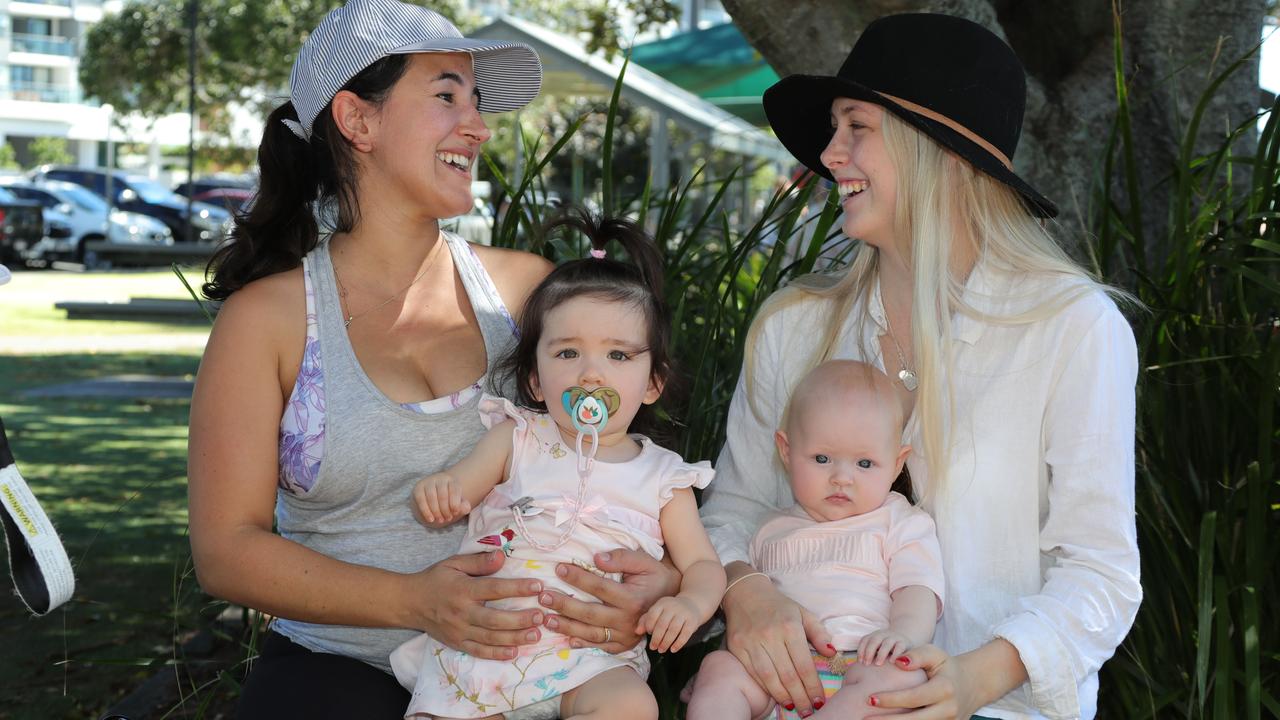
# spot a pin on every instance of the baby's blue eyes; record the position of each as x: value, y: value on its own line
x: 567, y: 354
x: 864, y: 463
x: 618, y: 355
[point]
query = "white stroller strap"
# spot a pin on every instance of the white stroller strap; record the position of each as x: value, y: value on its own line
x: 38, y: 563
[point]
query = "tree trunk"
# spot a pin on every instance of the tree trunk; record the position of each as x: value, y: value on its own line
x: 1172, y: 50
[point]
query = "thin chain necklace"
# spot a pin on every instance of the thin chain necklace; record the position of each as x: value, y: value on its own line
x: 342, y: 290
x: 906, y: 375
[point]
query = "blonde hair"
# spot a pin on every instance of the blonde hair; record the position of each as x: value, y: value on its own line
x: 944, y: 205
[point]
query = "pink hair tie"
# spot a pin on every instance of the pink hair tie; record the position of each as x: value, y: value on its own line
x: 597, y: 254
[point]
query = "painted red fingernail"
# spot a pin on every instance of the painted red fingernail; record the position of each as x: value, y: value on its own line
x: 833, y: 647
x: 817, y: 704
x: 873, y: 701
x: 790, y: 706
x: 903, y: 661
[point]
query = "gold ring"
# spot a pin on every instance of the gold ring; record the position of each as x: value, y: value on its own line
x: 608, y: 635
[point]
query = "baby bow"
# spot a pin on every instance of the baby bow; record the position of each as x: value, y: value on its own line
x: 592, y: 506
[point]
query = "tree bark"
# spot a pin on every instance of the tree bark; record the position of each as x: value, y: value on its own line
x: 1172, y: 51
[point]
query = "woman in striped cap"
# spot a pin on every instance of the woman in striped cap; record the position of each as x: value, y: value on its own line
x: 1015, y: 368
x: 347, y: 362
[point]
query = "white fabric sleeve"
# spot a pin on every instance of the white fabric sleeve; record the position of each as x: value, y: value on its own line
x: 1091, y: 590
x: 749, y: 479
x: 912, y: 552
x: 684, y: 475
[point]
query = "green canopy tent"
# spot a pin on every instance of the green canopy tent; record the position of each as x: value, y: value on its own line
x: 716, y: 64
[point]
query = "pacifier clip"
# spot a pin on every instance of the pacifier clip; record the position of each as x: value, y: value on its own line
x: 589, y: 410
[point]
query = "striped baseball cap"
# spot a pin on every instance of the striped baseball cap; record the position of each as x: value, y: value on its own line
x: 361, y: 32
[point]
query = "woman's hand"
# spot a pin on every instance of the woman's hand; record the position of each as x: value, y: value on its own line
x: 958, y: 686
x: 457, y: 615
x: 770, y: 634
x: 610, y: 623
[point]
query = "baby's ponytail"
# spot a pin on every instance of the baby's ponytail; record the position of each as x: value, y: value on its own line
x: 604, y: 231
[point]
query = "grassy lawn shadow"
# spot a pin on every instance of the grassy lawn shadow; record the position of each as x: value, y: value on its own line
x: 111, y: 474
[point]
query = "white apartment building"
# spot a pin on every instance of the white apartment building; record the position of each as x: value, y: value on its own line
x: 40, y: 94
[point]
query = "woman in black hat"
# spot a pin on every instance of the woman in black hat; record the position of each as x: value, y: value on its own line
x: 347, y: 363
x: 1015, y: 367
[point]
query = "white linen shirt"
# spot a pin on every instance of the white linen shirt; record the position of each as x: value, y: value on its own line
x: 1036, y: 517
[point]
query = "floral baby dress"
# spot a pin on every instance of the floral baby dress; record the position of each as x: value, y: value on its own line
x: 620, y: 508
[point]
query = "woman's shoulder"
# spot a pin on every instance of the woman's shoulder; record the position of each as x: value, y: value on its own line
x: 1087, y: 302
x: 1056, y: 298
x: 274, y: 294
x: 271, y: 308
x: 515, y: 272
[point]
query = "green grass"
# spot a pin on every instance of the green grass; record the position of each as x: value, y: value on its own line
x: 111, y: 474
x: 26, y: 302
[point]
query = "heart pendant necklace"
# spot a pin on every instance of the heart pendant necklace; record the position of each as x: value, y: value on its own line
x: 906, y: 375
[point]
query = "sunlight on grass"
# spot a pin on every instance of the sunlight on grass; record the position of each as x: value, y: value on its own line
x: 111, y: 473
x: 27, y: 304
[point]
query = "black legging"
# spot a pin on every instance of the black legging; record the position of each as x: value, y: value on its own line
x: 290, y: 681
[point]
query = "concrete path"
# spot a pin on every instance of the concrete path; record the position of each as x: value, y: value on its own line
x: 118, y: 386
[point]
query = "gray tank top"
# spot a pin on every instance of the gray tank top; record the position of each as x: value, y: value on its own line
x: 375, y: 449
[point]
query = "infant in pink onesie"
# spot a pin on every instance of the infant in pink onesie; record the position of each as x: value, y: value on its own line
x: 851, y: 551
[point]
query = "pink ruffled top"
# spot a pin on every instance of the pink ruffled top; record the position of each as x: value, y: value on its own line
x: 845, y: 571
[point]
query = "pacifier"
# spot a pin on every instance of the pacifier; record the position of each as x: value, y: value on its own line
x: 590, y: 410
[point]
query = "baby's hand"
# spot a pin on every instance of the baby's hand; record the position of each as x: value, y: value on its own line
x: 670, y: 623
x: 437, y: 500
x: 882, y: 645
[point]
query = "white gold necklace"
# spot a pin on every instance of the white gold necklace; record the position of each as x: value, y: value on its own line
x: 342, y: 290
x: 905, y: 374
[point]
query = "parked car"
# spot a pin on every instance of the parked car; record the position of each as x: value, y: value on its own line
x: 136, y: 193
x: 21, y: 226
x: 231, y: 192
x: 209, y: 183
x: 85, y: 216
x: 229, y: 199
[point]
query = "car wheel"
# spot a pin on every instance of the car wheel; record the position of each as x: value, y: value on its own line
x: 84, y: 256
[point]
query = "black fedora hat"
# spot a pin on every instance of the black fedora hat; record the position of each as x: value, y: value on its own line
x: 950, y: 78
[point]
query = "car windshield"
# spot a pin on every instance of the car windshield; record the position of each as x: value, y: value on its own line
x: 149, y: 190
x: 6, y: 196
x: 81, y: 196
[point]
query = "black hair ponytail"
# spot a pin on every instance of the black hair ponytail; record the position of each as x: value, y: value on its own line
x: 297, y: 177
x: 280, y: 226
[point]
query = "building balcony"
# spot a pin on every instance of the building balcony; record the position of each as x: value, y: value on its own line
x: 42, y: 8
x: 43, y: 45
x: 41, y: 92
